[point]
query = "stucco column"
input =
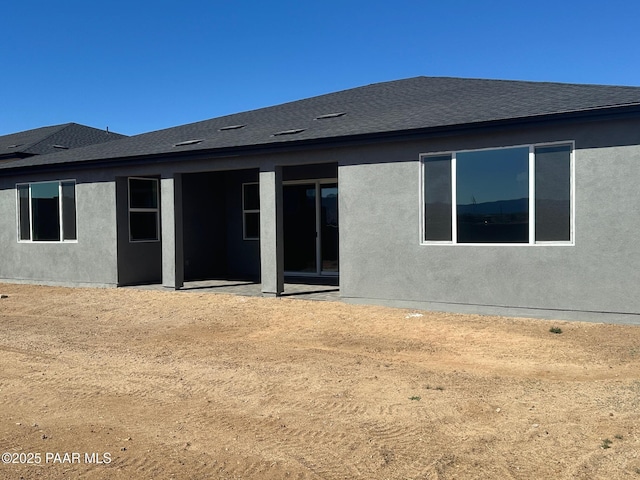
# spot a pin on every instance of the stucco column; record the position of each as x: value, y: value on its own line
x: 271, y: 232
x: 172, y: 240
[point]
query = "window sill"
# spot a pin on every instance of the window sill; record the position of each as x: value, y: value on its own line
x: 47, y: 242
x: 538, y: 244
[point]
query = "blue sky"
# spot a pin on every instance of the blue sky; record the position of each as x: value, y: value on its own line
x: 136, y: 65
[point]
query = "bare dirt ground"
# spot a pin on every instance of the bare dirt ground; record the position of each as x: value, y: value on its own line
x: 151, y: 385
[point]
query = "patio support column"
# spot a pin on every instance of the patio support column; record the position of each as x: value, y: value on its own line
x: 172, y: 239
x: 271, y: 232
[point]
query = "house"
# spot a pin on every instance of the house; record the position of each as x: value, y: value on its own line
x: 40, y: 141
x: 452, y: 194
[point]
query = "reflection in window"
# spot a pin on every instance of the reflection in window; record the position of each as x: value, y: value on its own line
x: 437, y: 198
x: 553, y: 193
x: 495, y: 200
x: 143, y: 193
x: 144, y: 213
x: 492, y: 196
x: 24, y: 212
x: 69, y: 210
x: 329, y: 236
x: 47, y: 211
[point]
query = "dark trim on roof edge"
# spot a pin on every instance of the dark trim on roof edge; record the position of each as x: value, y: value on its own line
x: 609, y: 113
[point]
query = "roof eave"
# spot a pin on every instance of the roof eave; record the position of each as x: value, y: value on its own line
x: 618, y: 111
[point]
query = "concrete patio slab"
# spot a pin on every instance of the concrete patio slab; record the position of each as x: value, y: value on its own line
x: 253, y: 289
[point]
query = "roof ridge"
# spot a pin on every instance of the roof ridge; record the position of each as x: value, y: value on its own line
x: 415, y: 105
x: 381, y: 83
x: 507, y: 80
x: 63, y: 126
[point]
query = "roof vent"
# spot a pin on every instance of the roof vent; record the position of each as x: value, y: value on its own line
x: 187, y: 142
x: 288, y: 132
x: 231, y: 127
x: 15, y: 146
x: 61, y: 147
x: 331, y: 115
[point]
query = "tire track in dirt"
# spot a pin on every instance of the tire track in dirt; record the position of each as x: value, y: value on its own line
x: 203, y: 387
x: 27, y: 352
x: 279, y: 434
x: 318, y: 449
x: 267, y: 435
x: 140, y: 466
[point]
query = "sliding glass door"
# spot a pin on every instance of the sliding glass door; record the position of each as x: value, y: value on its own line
x: 311, y: 228
x: 328, y: 228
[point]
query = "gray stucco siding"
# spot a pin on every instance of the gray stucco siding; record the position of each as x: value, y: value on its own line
x: 383, y: 259
x: 91, y: 260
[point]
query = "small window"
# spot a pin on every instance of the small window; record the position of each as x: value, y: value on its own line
x: 144, y: 211
x: 437, y: 200
x: 69, y: 210
x: 251, y: 211
x: 47, y: 211
x: 24, y: 212
x: 515, y: 195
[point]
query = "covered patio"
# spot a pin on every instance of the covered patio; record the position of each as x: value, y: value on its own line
x: 303, y: 291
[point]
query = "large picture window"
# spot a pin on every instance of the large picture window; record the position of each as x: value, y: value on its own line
x: 47, y: 211
x: 517, y: 195
x: 144, y: 211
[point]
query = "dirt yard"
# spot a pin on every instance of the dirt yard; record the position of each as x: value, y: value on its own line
x: 130, y: 384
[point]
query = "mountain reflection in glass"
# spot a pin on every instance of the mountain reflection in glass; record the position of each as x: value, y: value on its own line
x: 492, y: 196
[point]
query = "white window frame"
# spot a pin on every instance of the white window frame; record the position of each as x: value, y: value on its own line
x: 532, y: 241
x: 155, y: 210
x: 60, y: 212
x: 251, y: 210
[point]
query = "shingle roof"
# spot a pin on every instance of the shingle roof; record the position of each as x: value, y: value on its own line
x: 413, y: 104
x: 41, y: 141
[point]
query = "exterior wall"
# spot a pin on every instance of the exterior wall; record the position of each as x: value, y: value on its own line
x: 89, y: 261
x: 171, y: 230
x: 383, y: 261
x: 271, y: 231
x: 103, y: 255
x: 138, y: 262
